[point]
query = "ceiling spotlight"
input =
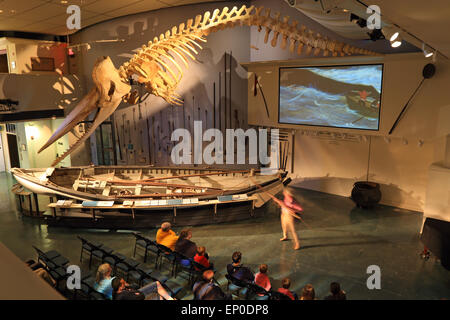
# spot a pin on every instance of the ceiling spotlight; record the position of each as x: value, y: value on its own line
x: 390, y: 33
x: 358, y: 20
x: 397, y: 42
x: 375, y: 35
x: 292, y: 3
x: 427, y: 53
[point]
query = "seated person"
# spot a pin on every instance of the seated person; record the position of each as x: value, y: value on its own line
x: 261, y: 278
x: 166, y: 236
x: 39, y: 269
x: 206, y: 289
x: 185, y: 246
x: 41, y: 272
x: 237, y: 270
x: 202, y: 258
x: 336, y: 292
x: 33, y: 265
x: 103, y: 280
x: 152, y: 291
x: 285, y: 284
x: 123, y: 291
x: 308, y: 293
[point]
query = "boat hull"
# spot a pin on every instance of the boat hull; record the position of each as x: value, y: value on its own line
x: 234, y: 204
x: 364, y: 108
x: 146, y: 218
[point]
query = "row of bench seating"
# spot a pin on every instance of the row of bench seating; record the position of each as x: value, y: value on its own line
x: 243, y: 290
x: 56, y: 265
x: 131, y: 270
x: 135, y: 272
x: 251, y: 291
x: 162, y: 253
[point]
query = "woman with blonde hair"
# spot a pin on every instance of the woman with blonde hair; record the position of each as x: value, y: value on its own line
x: 103, y: 280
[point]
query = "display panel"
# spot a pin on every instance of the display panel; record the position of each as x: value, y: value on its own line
x: 331, y: 96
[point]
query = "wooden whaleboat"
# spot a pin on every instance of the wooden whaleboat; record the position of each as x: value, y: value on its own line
x: 130, y: 197
x: 368, y: 108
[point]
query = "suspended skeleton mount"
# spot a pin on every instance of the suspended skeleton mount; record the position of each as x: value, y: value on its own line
x: 157, y: 68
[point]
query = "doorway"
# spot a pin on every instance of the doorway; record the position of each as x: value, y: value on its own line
x: 13, y: 150
x: 4, y: 61
x: 105, y: 137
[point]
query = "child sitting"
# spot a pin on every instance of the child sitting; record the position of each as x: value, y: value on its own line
x: 202, y: 258
x: 261, y: 278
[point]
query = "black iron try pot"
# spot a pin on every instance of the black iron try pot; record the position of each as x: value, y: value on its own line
x: 366, y: 194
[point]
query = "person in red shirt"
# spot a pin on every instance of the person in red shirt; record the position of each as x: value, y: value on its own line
x: 285, y: 284
x: 261, y: 278
x: 202, y: 258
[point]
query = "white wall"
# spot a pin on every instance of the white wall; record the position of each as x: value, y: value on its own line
x: 401, y: 165
x: 41, y: 131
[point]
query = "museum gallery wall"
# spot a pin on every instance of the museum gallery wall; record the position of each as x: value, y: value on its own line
x: 399, y: 163
x: 331, y: 160
x: 144, y: 130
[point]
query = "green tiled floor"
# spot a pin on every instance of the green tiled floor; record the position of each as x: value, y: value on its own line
x: 338, y: 244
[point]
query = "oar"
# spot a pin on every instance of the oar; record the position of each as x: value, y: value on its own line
x: 276, y: 201
x: 357, y: 120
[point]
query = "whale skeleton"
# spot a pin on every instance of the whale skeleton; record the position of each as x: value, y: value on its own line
x: 157, y: 64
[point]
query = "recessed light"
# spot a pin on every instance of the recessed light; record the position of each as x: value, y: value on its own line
x: 64, y: 1
x: 1, y: 11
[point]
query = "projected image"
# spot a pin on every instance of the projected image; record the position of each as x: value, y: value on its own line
x: 338, y: 96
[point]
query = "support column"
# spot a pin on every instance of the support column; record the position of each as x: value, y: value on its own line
x: 447, y: 152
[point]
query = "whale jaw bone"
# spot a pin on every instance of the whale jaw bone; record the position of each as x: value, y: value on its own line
x: 105, y: 97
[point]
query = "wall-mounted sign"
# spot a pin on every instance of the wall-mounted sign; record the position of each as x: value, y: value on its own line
x: 42, y: 64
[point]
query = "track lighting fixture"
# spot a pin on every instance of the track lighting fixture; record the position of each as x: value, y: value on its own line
x: 358, y: 20
x: 375, y: 35
x: 397, y: 42
x: 292, y: 3
x: 390, y: 33
x: 428, y: 53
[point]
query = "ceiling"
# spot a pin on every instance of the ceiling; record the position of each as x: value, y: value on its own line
x: 49, y: 16
x: 421, y: 21
x: 428, y: 20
